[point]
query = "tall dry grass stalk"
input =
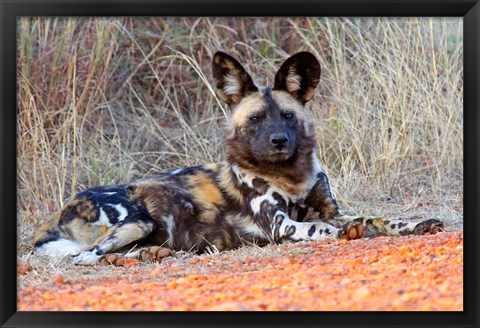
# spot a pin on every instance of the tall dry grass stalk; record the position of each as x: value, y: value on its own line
x: 103, y: 101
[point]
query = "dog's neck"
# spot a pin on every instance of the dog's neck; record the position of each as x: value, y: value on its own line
x: 296, y: 182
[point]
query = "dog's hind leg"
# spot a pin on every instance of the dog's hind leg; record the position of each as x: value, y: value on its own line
x: 70, y: 230
x: 383, y: 226
x: 116, y: 237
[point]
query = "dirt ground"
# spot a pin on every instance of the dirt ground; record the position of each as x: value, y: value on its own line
x: 387, y: 273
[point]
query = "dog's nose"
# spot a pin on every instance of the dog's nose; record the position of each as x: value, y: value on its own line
x: 279, y: 140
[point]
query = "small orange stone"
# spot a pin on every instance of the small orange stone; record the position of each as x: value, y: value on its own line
x: 130, y: 262
x: 23, y: 267
x: 58, y: 280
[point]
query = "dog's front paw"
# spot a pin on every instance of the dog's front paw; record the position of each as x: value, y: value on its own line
x: 352, y: 230
x: 154, y: 253
x: 429, y: 226
x: 113, y: 259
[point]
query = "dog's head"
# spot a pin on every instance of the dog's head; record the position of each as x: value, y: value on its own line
x: 268, y: 125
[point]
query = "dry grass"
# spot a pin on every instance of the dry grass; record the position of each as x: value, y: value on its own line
x: 103, y: 101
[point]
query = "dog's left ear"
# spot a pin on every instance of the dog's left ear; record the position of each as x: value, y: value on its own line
x: 232, y: 81
x: 299, y: 75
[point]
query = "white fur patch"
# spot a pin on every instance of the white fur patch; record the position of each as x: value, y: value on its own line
x: 283, y: 225
x: 238, y: 173
x: 293, y: 80
x: 333, y: 195
x: 176, y: 171
x: 122, y: 211
x: 103, y: 219
x: 61, y: 247
x: 243, y: 176
x: 302, y: 229
x: 170, y: 222
x: 317, y: 168
x: 256, y: 202
x: 231, y: 86
x: 285, y: 215
x: 87, y: 258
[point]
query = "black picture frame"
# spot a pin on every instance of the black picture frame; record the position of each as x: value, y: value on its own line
x: 10, y: 10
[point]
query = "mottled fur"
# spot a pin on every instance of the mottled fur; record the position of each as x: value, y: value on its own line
x: 271, y: 188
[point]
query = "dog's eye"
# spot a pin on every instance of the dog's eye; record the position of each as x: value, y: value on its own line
x: 288, y: 115
x: 256, y: 118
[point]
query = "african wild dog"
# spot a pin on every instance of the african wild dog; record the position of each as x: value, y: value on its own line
x: 271, y: 188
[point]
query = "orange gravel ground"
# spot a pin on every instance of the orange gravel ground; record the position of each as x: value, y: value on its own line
x: 385, y: 273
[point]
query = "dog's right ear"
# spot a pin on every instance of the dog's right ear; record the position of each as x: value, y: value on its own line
x: 299, y: 75
x: 232, y: 81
